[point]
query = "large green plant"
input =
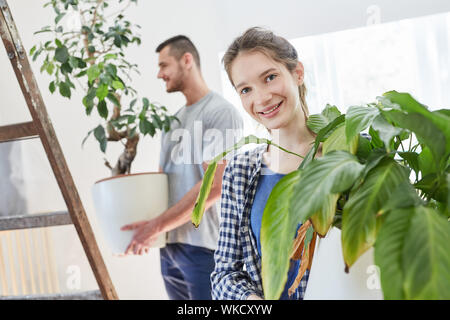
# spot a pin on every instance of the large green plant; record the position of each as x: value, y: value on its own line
x: 385, y: 191
x: 87, y: 47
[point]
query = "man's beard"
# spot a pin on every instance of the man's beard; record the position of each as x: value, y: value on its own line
x: 178, y: 82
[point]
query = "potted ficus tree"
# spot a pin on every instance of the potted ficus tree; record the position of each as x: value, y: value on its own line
x: 381, y: 198
x: 86, y: 51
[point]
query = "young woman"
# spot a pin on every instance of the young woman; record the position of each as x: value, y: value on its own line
x: 265, y: 71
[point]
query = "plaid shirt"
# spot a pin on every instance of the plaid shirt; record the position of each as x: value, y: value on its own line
x: 237, y: 272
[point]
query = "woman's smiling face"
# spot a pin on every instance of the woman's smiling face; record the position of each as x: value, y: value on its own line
x: 268, y: 90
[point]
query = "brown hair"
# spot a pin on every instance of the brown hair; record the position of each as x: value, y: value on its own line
x: 276, y: 47
x: 179, y: 45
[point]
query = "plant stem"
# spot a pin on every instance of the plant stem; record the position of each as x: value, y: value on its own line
x: 285, y: 150
x: 99, y: 2
x: 401, y: 144
x: 410, y: 141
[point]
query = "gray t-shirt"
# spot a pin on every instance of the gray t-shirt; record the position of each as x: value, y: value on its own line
x: 207, y: 128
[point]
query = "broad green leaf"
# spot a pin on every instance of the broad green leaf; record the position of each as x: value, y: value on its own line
x: 61, y: 54
x: 66, y: 68
x: 424, y: 129
x: 102, y: 92
x: 102, y: 109
x: 428, y: 183
x: 435, y: 186
x: 117, y: 85
x: 69, y: 83
x: 64, y: 90
x: 58, y: 43
x: 151, y: 129
x: 386, y: 131
x: 323, y: 134
x: 442, y: 194
x: 50, y: 68
x: 99, y: 134
x: 440, y: 118
x: 32, y: 50
x: 89, y: 104
x: 412, y: 159
x: 364, y: 148
x: 323, y: 219
x: 333, y: 173
x: 278, y: 228
x: 81, y: 74
x: 110, y: 56
x: 426, y: 256
x: 52, y: 87
x: 131, y: 119
x: 157, y: 120
x: 44, y: 66
x: 316, y: 122
x: 388, y: 252
x: 80, y: 62
x: 111, y: 97
x: 105, y: 78
x: 375, y: 140
x: 145, y: 126
x: 445, y: 112
x: 111, y: 69
x: 426, y: 163
x: 331, y: 112
x: 73, y: 61
x: 117, y: 41
x: 338, y: 141
x: 59, y: 17
x: 359, y: 225
x: 145, y: 102
x: 372, y: 161
x: 93, y: 72
x: 167, y: 122
x: 200, y: 203
x: 402, y: 197
x: 357, y: 119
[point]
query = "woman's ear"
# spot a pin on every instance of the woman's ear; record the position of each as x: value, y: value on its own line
x: 299, y: 73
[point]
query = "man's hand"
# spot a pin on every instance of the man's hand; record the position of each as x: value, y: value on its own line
x: 145, y: 235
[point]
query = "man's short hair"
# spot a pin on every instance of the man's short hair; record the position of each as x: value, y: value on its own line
x: 179, y: 45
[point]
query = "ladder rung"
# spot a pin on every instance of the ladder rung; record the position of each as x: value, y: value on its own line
x: 35, y: 220
x: 18, y: 131
x: 86, y: 295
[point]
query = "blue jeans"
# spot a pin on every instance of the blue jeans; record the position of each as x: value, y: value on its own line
x: 186, y: 271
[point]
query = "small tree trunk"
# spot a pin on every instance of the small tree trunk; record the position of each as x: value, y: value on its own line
x: 123, y: 165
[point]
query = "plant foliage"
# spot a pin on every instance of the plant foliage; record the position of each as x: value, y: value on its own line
x: 86, y: 50
x: 388, y: 190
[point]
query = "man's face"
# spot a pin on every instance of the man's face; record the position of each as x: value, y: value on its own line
x: 170, y: 70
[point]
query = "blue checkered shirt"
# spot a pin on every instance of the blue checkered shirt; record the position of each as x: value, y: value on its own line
x: 237, y: 272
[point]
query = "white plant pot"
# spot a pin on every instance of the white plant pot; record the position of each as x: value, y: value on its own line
x: 126, y: 199
x: 328, y: 280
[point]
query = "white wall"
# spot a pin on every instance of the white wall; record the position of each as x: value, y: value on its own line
x: 212, y: 25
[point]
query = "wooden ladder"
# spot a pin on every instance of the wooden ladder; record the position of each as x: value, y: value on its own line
x: 42, y: 128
